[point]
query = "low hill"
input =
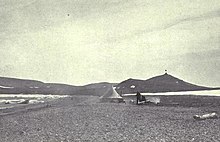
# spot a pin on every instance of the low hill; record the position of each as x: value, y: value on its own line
x: 14, y: 82
x: 161, y: 83
x: 23, y: 86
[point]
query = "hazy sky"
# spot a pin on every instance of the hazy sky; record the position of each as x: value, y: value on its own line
x: 84, y: 41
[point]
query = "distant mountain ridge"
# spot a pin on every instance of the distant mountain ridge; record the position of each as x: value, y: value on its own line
x: 161, y: 83
x: 24, y: 86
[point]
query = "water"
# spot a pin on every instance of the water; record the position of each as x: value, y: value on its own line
x: 199, y: 93
x: 6, y: 99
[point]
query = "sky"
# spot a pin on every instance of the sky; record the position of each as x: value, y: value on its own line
x: 85, y: 41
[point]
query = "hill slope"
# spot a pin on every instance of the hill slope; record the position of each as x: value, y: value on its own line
x: 161, y: 83
x: 23, y: 86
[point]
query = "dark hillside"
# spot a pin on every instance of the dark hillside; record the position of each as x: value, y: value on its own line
x: 161, y: 83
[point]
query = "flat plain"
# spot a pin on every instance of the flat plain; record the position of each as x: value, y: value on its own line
x: 84, y: 119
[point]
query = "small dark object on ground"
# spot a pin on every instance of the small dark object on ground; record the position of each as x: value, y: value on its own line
x: 142, y: 100
x: 7, y: 102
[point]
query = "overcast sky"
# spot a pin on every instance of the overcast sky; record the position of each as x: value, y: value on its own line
x: 85, y: 41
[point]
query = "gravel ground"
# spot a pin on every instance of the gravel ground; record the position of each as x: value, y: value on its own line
x: 83, y: 119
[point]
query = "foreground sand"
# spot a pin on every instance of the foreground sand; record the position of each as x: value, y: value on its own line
x: 84, y: 119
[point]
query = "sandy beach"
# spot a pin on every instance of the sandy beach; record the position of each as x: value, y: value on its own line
x: 83, y: 118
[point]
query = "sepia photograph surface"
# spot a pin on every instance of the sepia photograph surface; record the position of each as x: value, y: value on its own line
x: 109, y: 70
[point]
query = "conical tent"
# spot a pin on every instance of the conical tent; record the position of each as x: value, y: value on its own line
x: 111, y: 96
